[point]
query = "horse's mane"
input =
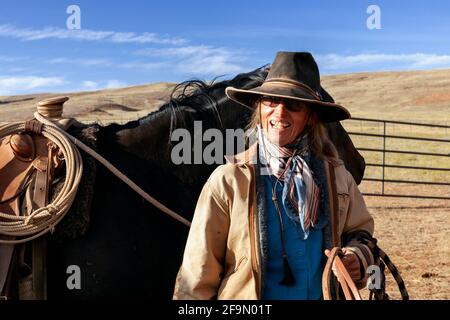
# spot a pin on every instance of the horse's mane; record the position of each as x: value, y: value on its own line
x: 198, y: 96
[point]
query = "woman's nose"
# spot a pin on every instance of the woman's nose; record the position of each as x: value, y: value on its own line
x: 281, y: 109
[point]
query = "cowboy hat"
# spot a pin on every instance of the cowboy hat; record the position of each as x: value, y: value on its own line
x: 295, y: 76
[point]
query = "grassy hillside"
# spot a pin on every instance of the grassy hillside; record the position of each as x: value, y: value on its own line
x: 414, y: 96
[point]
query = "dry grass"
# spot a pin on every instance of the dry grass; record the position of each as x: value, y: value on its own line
x: 414, y: 232
x: 103, y: 106
x: 417, y: 96
x: 426, y: 161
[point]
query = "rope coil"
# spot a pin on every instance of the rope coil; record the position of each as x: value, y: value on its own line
x: 43, y: 220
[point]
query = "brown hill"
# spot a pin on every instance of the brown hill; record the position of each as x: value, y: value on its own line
x: 413, y: 95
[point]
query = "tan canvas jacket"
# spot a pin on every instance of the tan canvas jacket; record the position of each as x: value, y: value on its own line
x: 222, y: 258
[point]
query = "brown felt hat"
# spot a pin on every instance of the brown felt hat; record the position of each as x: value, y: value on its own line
x: 295, y: 76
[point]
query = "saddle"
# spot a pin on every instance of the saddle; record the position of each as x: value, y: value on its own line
x: 28, y: 164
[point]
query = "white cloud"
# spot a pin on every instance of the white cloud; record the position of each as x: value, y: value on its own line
x: 100, y: 85
x: 89, y: 85
x: 146, y: 37
x: 334, y: 62
x: 112, y: 84
x: 191, y: 60
x: 87, y: 62
x: 10, y: 59
x: 431, y: 60
x: 180, y: 52
x: 28, y: 34
x: 212, y: 61
x: 199, y: 60
x: 24, y: 84
x: 145, y: 65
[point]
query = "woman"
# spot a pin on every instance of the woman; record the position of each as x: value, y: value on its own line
x: 264, y: 220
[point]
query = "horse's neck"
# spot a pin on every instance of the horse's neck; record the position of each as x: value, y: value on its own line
x: 150, y: 141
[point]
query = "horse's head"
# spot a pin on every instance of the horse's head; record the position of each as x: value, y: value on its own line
x: 149, y: 138
x: 207, y: 102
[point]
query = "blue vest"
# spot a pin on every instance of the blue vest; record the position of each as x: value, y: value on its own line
x: 305, y: 256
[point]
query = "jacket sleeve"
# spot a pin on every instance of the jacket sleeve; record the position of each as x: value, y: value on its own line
x: 359, y: 225
x: 201, y: 270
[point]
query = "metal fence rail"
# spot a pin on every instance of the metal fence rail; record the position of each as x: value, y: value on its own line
x: 396, y: 137
x: 406, y: 152
x: 384, y: 180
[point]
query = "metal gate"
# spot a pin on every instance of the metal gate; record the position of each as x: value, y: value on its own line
x: 384, y: 150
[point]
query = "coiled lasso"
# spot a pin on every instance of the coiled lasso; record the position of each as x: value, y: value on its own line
x: 44, y: 219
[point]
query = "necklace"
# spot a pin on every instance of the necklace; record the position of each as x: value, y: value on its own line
x: 288, y: 278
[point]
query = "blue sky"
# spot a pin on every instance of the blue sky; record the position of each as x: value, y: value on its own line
x: 123, y: 43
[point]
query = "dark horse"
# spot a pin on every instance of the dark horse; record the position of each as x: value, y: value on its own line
x: 130, y: 249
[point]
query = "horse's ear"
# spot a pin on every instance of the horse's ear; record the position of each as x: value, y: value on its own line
x: 326, y: 96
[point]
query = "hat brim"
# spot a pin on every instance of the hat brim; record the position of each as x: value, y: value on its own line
x: 327, y: 111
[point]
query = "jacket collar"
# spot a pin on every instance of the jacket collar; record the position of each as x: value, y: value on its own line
x: 249, y: 156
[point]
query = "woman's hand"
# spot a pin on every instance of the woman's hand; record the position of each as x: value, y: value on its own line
x: 351, y: 262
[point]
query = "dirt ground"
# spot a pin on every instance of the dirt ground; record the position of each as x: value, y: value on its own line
x: 415, y: 233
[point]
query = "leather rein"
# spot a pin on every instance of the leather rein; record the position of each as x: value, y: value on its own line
x: 344, y: 278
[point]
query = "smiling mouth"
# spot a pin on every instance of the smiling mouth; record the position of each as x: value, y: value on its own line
x: 279, y: 124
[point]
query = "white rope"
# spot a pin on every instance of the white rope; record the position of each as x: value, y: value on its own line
x: 118, y: 174
x: 45, y: 219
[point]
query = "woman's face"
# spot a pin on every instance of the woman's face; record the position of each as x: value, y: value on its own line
x: 283, y: 120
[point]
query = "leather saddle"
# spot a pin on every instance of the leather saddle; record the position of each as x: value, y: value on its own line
x: 28, y: 163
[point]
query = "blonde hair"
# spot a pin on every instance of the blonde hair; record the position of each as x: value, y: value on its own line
x: 319, y: 142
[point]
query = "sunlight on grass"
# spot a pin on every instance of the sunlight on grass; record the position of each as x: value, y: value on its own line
x: 375, y: 159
